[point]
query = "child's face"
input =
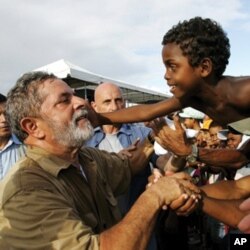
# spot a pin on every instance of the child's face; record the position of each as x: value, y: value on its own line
x: 233, y: 140
x: 214, y: 140
x: 181, y: 77
x: 189, y: 122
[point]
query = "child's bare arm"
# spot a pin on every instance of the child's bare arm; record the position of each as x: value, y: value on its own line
x: 140, y: 113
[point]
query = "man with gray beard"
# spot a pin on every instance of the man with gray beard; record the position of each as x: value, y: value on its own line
x: 71, y: 135
x: 61, y: 195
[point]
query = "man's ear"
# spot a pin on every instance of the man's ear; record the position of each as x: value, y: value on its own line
x: 206, y: 66
x: 93, y: 105
x: 30, y: 126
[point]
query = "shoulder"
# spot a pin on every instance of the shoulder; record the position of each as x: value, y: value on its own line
x: 100, y: 156
x: 237, y: 82
x: 236, y: 89
x: 107, y: 163
x: 97, y: 137
x: 137, y: 130
x: 25, y: 175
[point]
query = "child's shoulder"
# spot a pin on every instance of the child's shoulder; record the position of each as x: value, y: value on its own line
x: 237, y: 89
x: 236, y: 79
x: 234, y: 83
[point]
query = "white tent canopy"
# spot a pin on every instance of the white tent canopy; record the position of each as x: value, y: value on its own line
x: 82, y: 79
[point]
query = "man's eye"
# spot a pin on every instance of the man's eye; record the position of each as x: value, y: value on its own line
x: 64, y: 101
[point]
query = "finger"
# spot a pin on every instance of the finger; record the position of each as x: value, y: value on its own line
x: 130, y: 148
x: 160, y: 122
x: 245, y: 205
x: 135, y: 143
x: 177, y: 123
x: 187, y: 208
x: 192, y: 187
x: 156, y: 173
x: 179, y: 202
x: 149, y: 185
x: 244, y: 224
x: 127, y: 153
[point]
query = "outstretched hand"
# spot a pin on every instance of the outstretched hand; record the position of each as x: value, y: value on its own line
x: 172, y: 140
x: 127, y: 152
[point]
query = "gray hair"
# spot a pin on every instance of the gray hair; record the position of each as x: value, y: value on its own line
x: 24, y: 100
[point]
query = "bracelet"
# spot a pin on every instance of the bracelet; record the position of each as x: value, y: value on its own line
x: 151, y: 139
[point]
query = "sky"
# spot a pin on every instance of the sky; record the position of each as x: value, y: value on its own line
x: 117, y: 39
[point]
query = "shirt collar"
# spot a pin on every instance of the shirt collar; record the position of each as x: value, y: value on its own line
x: 12, y: 140
x: 15, y: 139
x: 124, y: 129
x: 47, y: 161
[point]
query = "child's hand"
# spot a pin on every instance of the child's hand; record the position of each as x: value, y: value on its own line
x: 172, y: 140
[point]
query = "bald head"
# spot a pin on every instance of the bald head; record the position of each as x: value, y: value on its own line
x: 108, y: 98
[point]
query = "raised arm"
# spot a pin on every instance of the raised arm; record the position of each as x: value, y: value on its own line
x: 139, y: 113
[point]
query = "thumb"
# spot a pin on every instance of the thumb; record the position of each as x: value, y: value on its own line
x: 136, y: 142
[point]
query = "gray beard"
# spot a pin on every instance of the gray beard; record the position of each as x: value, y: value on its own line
x: 71, y: 135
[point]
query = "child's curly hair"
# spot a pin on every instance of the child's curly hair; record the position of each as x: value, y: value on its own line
x: 199, y: 38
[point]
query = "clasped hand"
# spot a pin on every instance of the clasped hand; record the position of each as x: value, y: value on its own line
x: 190, y: 194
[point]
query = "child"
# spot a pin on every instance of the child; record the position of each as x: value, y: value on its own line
x: 195, y: 54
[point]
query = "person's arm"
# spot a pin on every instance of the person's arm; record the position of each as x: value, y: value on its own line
x: 218, y: 198
x: 226, y: 196
x: 134, y: 231
x: 233, y: 189
x: 140, y: 113
x: 176, y: 142
x: 226, y: 211
x: 231, y: 158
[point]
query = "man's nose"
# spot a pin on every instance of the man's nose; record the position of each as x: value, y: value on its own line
x: 79, y: 102
x: 2, y: 117
x: 113, y: 106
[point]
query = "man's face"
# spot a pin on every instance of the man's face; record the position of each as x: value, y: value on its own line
x: 180, y: 76
x: 4, y: 126
x: 108, y: 99
x: 65, y: 115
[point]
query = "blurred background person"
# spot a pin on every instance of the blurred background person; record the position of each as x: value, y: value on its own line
x: 11, y: 149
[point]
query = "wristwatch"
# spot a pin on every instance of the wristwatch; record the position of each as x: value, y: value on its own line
x: 192, y: 158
